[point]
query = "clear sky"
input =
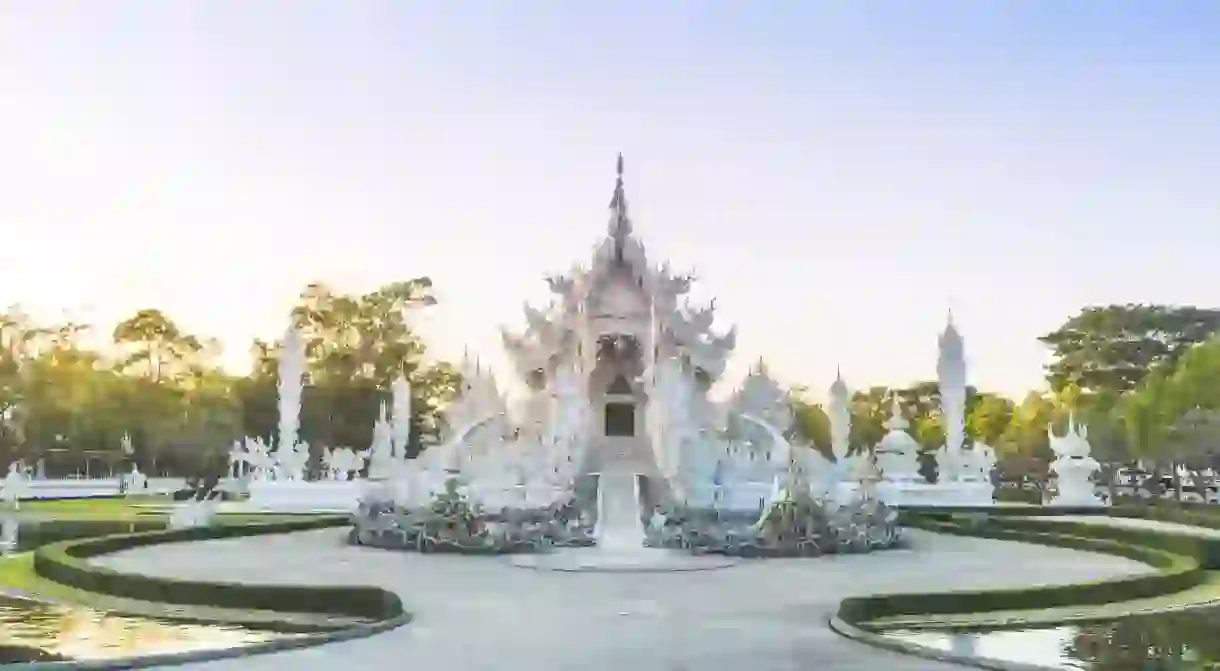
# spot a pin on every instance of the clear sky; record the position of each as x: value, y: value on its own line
x: 837, y: 173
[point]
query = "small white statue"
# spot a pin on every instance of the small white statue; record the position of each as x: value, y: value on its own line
x: 982, y: 461
x: 10, y: 533
x: 136, y: 481
x: 341, y: 462
x: 192, y: 514
x: 897, y: 455
x: 14, y: 486
x: 1073, y: 467
x: 381, y: 451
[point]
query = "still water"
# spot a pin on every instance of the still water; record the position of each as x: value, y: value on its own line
x: 1187, y: 641
x: 36, y: 631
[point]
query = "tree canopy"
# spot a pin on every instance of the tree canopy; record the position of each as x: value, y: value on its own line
x: 1113, y: 347
x: 164, y: 387
x: 1144, y: 379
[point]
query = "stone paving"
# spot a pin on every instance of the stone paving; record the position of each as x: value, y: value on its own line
x: 480, y: 613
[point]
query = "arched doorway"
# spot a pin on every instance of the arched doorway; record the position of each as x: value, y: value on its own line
x: 618, y: 416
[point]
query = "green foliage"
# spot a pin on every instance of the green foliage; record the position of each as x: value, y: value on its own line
x: 1174, y: 556
x: 356, y: 346
x: 1114, y: 347
x: 68, y: 564
x: 811, y: 424
x: 164, y: 386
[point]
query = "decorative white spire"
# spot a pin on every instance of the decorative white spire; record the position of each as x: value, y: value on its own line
x: 951, y: 345
x: 840, y: 418
x: 839, y: 388
x: 619, y: 228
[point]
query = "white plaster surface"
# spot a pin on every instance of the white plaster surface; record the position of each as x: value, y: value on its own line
x: 480, y: 613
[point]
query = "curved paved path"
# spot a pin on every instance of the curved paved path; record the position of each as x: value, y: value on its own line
x: 479, y: 613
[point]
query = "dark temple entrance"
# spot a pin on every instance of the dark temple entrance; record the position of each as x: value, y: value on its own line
x: 620, y: 419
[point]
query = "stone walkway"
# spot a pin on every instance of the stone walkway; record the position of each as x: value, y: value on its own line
x: 478, y: 613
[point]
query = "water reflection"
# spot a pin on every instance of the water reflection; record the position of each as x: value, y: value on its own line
x: 9, y: 528
x: 37, y: 631
x: 1165, y: 642
x: 1044, y: 647
x: 82, y: 634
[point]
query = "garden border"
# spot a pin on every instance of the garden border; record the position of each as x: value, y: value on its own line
x: 67, y: 563
x: 869, y: 638
x: 1177, y: 572
x: 296, y: 642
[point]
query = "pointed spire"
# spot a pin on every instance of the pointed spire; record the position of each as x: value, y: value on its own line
x: 620, y: 223
x: 839, y: 387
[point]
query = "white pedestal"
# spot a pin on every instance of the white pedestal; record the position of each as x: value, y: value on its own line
x: 192, y: 514
x: 941, y: 494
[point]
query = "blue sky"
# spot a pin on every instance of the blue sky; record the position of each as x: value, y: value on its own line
x: 839, y: 174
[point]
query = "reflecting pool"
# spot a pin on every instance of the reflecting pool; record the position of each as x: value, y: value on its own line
x: 36, y: 631
x: 29, y: 628
x: 1187, y: 640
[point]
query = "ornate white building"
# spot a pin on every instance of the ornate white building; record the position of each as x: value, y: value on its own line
x: 620, y: 324
x: 619, y: 365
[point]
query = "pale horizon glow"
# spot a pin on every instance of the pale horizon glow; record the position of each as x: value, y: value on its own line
x: 839, y: 175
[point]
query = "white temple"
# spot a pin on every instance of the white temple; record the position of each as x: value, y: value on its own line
x: 618, y: 367
x: 636, y: 349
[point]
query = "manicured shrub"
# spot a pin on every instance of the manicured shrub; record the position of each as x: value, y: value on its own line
x: 1205, y: 550
x: 1177, y: 570
x: 1006, y: 511
x: 1197, y: 515
x: 67, y: 563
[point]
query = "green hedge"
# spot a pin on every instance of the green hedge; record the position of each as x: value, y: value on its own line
x: 67, y: 563
x: 1192, y: 515
x: 1005, y: 511
x: 1205, y: 550
x: 1176, y: 572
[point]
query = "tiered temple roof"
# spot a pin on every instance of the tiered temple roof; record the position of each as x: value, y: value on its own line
x: 553, y: 334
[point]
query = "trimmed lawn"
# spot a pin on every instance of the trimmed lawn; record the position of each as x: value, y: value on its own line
x: 130, y: 509
x: 114, y: 509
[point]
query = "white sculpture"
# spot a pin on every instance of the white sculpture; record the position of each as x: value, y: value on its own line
x: 619, y: 318
x: 290, y: 462
x: 978, y: 463
x: 136, y: 481
x: 252, y: 459
x: 897, y: 455
x: 192, y: 514
x: 951, y: 378
x: 341, y: 462
x: 381, y: 451
x: 400, y: 434
x: 839, y: 412
x: 1074, y: 467
x: 14, y: 486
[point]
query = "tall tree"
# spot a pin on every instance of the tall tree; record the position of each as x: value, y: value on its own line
x: 154, y: 344
x: 1114, y: 347
x: 988, y: 418
x: 356, y: 346
x: 811, y: 424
